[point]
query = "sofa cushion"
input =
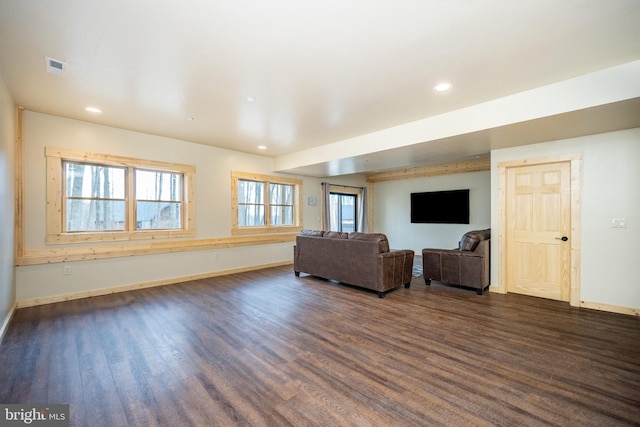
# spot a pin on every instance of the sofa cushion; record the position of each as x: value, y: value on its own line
x: 383, y: 243
x: 336, y: 235
x: 312, y: 233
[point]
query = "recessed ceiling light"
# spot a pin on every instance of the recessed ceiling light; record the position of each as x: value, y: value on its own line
x: 262, y: 147
x: 251, y: 99
x: 93, y: 110
x: 190, y: 118
x: 442, y: 87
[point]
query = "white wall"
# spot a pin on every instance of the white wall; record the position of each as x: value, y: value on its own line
x: 392, y: 210
x: 7, y: 179
x: 213, y: 209
x: 610, y: 188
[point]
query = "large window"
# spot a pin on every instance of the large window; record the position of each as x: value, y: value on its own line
x: 92, y: 197
x: 264, y: 203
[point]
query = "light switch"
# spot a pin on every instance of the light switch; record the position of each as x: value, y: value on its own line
x: 618, y: 222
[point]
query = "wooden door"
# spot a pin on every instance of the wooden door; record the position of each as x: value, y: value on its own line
x: 538, y: 215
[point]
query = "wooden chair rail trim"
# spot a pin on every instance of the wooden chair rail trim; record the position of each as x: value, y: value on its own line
x: 50, y: 256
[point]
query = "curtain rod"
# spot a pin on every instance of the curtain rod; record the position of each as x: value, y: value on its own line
x: 345, y: 186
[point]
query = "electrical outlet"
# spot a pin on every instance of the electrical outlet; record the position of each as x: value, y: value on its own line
x: 66, y: 270
x: 618, y: 222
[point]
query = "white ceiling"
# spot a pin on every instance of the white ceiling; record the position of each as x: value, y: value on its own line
x: 322, y: 72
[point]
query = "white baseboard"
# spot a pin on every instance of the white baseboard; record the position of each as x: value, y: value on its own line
x: 106, y: 291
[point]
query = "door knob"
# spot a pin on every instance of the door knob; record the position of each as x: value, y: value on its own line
x: 563, y: 238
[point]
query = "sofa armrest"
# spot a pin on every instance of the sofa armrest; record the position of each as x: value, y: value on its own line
x: 400, y: 255
x: 395, y: 268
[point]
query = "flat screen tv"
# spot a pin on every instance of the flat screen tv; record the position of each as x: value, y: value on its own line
x: 440, y: 207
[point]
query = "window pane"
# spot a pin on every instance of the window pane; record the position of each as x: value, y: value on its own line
x: 157, y: 185
x: 158, y: 215
x: 342, y: 212
x: 251, y: 203
x: 347, y: 213
x: 94, y: 215
x: 250, y: 215
x: 281, y: 194
x: 94, y: 181
x: 250, y: 192
x: 281, y: 215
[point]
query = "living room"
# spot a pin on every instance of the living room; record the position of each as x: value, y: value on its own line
x: 40, y: 277
x: 551, y: 121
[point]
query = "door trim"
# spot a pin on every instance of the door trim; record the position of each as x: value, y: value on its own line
x: 575, y: 161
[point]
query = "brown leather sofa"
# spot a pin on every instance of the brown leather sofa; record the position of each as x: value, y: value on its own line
x: 360, y: 259
x: 468, y: 265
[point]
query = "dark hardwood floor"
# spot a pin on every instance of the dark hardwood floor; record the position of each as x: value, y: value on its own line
x: 267, y: 348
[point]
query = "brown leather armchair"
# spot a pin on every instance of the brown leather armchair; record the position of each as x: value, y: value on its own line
x: 467, y: 266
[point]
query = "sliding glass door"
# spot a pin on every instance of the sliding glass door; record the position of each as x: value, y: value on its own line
x: 343, y: 212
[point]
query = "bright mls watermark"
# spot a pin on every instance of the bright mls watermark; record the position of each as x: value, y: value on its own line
x: 34, y: 415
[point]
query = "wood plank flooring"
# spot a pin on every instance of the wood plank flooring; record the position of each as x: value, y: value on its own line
x: 265, y: 348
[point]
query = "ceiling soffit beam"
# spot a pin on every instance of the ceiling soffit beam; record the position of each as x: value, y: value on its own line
x: 602, y: 87
x: 477, y: 165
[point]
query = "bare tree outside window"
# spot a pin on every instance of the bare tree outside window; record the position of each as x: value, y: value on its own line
x: 94, y: 197
x: 281, y: 204
x: 158, y: 200
x: 251, y: 207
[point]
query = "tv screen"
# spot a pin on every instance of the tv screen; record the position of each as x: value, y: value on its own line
x: 440, y: 207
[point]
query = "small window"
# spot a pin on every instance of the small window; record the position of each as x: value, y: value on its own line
x: 265, y: 204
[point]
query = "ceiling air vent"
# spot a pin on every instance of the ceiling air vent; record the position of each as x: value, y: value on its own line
x: 54, y: 66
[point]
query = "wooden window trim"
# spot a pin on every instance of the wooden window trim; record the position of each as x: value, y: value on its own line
x: 54, y: 210
x: 267, y: 179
